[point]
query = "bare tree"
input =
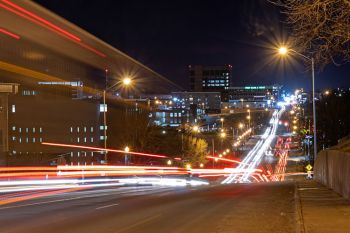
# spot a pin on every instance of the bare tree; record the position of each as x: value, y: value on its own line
x: 320, y: 28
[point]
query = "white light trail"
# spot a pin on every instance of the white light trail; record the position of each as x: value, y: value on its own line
x: 255, y: 155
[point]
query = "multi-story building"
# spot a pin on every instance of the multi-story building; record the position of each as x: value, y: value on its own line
x: 209, y: 78
x: 252, y: 96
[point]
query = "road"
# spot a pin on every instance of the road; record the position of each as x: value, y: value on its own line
x: 256, y: 154
x: 230, y: 208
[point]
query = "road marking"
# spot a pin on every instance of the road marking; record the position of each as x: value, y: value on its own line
x: 135, y: 192
x: 127, y: 228
x: 106, y: 206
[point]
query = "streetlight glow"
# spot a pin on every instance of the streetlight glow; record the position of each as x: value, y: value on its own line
x: 126, y: 149
x: 127, y: 81
x: 282, y: 50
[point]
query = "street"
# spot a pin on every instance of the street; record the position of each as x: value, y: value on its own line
x: 224, y: 209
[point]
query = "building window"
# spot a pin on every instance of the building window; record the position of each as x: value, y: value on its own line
x: 20, y: 140
x: 13, y: 128
x: 40, y: 130
x: 84, y: 129
x: 102, y: 137
x: 34, y: 130
x: 84, y: 139
x: 78, y: 129
x: 103, y: 127
x: 40, y: 139
x: 27, y: 130
x: 103, y: 107
x: 33, y: 140
x: 92, y: 129
x: 13, y: 109
x: 27, y: 140
x: 71, y: 129
x: 13, y: 138
x: 91, y: 139
x: 78, y: 139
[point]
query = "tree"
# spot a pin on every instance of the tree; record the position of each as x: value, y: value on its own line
x: 195, y: 150
x: 320, y: 28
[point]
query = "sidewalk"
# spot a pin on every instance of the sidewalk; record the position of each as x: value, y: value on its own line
x: 321, y: 209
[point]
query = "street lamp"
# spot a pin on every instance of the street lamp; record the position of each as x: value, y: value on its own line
x: 222, y: 122
x: 222, y: 134
x: 284, y: 51
x: 126, y: 150
x: 126, y: 83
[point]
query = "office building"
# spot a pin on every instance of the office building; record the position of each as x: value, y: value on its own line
x: 209, y: 78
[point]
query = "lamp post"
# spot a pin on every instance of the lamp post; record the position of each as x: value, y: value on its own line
x: 284, y: 51
x: 126, y: 82
x: 105, y: 118
x: 126, y: 150
x: 222, y: 122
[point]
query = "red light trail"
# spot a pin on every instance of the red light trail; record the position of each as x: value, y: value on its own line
x: 46, y: 24
x: 9, y: 34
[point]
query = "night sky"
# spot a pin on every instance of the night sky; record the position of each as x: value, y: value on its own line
x: 168, y: 36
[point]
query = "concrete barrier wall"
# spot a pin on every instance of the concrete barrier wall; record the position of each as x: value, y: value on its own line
x: 332, y: 168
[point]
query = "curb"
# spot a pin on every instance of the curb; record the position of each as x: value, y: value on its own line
x: 300, y: 226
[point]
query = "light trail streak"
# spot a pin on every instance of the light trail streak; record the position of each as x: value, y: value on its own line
x: 51, y: 25
x: 102, y: 149
x: 254, y: 156
x: 2, y: 30
x: 9, y: 6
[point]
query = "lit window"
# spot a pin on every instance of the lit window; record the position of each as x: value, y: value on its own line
x: 13, y: 128
x: 92, y: 129
x: 84, y: 129
x: 13, y: 138
x: 71, y: 129
x: 33, y: 140
x: 78, y: 139
x: 27, y: 140
x: 102, y: 137
x: 40, y: 139
x: 13, y: 108
x: 78, y: 129
x: 40, y: 130
x: 84, y: 139
x: 27, y: 130
x: 33, y: 130
x: 20, y: 140
x: 92, y: 139
x: 103, y: 107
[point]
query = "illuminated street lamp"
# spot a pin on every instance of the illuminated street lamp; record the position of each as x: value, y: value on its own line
x: 222, y: 134
x: 126, y: 150
x: 283, y: 51
x: 201, y: 165
x: 169, y: 162
x: 222, y: 122
x: 188, y: 166
x: 195, y: 128
x: 227, y: 150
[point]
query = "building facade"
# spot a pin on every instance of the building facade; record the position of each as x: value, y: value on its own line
x: 252, y: 96
x: 209, y: 78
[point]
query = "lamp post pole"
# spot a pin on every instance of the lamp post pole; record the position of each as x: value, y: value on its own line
x: 284, y: 51
x: 314, y: 106
x: 105, y: 118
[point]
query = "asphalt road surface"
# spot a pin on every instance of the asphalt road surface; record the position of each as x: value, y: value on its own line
x: 220, y: 209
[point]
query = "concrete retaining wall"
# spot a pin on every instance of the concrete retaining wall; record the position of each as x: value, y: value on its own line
x: 332, y: 168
